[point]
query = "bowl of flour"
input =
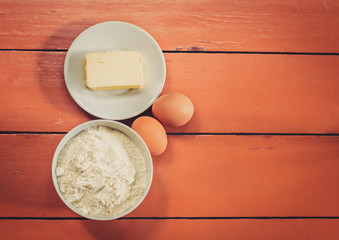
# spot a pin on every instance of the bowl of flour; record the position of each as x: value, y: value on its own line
x: 102, y: 170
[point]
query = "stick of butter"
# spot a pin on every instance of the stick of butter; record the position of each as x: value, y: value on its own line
x: 113, y: 70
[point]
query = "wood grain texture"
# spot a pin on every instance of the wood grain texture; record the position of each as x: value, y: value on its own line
x: 280, y: 25
x: 312, y: 229
x: 231, y: 92
x: 197, y: 176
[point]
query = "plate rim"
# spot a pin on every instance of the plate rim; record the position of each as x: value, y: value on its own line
x: 126, y: 116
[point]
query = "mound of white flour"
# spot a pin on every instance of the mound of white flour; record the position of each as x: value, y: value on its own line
x: 101, y: 172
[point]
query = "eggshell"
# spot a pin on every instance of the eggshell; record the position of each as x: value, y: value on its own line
x: 173, y: 109
x: 152, y: 132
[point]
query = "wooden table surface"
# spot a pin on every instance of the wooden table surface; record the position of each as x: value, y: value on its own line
x: 259, y: 159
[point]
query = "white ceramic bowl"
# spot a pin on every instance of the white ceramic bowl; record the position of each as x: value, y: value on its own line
x: 114, y: 125
x: 117, y: 104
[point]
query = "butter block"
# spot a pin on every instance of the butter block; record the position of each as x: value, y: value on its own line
x: 113, y: 70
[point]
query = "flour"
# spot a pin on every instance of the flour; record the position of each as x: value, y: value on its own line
x: 101, y: 172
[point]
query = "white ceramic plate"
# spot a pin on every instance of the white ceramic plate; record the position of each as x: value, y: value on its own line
x: 114, y: 125
x: 115, y: 104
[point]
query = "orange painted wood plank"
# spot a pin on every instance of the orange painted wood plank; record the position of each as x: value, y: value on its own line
x: 312, y: 229
x: 280, y: 25
x: 197, y: 176
x: 231, y: 92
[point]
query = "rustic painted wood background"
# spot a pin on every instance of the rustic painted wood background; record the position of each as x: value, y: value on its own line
x: 260, y: 158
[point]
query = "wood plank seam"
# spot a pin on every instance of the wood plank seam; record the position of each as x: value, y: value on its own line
x: 172, y: 218
x: 208, y: 52
x: 197, y: 133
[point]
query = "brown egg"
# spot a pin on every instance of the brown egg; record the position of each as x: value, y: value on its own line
x: 152, y: 132
x: 173, y: 109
